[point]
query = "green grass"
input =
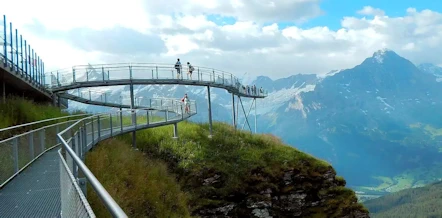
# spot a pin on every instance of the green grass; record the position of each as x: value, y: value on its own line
x: 141, y: 186
x: 246, y: 163
x: 17, y: 111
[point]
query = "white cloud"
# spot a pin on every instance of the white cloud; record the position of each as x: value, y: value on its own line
x: 151, y: 31
x: 368, y: 10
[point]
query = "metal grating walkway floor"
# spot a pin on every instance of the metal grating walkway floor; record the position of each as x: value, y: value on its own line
x: 35, y: 192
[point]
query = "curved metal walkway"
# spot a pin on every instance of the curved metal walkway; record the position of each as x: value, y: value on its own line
x: 66, y: 83
x: 30, y: 183
x: 47, y: 187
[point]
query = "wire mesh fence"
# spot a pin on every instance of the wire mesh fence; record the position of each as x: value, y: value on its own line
x: 82, y: 135
x: 19, y: 151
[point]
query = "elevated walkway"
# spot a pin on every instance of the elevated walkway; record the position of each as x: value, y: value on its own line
x: 21, y: 70
x: 35, y: 191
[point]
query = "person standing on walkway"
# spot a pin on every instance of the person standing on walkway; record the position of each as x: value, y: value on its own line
x: 190, y: 70
x: 178, y: 68
x: 186, y: 103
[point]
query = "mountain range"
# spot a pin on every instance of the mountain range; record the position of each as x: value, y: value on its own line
x: 378, y: 123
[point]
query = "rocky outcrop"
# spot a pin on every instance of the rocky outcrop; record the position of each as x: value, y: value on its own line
x: 291, y: 193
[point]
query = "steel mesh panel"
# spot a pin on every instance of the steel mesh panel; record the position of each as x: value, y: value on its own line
x: 7, y: 166
x: 73, y: 201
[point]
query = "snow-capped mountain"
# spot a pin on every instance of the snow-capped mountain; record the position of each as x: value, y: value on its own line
x: 381, y: 117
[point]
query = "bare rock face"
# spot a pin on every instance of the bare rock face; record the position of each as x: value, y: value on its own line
x: 291, y: 194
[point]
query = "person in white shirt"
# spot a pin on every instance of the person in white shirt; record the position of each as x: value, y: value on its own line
x: 186, y: 102
x: 178, y: 68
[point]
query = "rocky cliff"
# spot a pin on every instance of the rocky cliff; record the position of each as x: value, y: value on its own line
x: 233, y: 174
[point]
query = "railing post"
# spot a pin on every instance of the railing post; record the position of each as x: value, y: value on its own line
x: 102, y: 72
x: 214, y: 78
x: 31, y: 145
x: 121, y: 119
x: 80, y: 143
x: 167, y: 113
x: 74, y: 148
x: 5, y: 44
x: 58, y: 77
x: 84, y: 138
x: 57, y: 130
x: 130, y: 72
x: 156, y: 67
x: 152, y: 73
x: 98, y: 127
x: 110, y: 123
x: 73, y: 75
x: 93, y: 131
x: 147, y: 117
x: 42, y: 140
x: 12, y: 46
x: 15, y: 153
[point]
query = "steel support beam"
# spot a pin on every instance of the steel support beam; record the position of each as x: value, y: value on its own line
x: 233, y: 111
x: 246, y: 119
x: 254, y: 99
x: 134, y: 121
x: 175, y: 130
x: 247, y: 116
x: 210, y: 111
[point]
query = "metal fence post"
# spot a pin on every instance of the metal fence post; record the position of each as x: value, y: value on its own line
x: 93, y: 131
x: 74, y: 148
x: 42, y: 140
x: 31, y: 145
x: 121, y: 119
x: 15, y: 152
x: 98, y: 127
x: 110, y: 123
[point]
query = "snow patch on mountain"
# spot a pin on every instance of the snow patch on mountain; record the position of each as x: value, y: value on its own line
x: 379, y: 55
x: 278, y: 98
x: 331, y: 73
x: 387, y: 106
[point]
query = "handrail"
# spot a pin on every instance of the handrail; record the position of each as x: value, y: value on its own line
x: 40, y: 121
x: 82, y: 143
x: 109, y: 202
x: 34, y: 130
x: 69, y: 78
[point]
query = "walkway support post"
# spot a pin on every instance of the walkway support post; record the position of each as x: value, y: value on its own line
x: 134, y: 121
x: 210, y: 111
x: 254, y: 99
x: 233, y: 111
x: 175, y: 130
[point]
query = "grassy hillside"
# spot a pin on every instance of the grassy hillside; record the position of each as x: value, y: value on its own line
x: 417, y: 202
x: 233, y: 173
x: 18, y: 111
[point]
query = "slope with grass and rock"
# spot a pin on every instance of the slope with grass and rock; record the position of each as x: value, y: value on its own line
x: 234, y: 174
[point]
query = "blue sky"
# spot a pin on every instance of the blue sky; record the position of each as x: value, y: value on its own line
x: 335, y: 10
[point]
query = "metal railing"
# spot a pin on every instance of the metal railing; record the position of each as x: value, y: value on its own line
x: 17, y: 55
x: 147, y: 71
x: 21, y: 150
x: 82, y: 135
x: 9, y: 131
